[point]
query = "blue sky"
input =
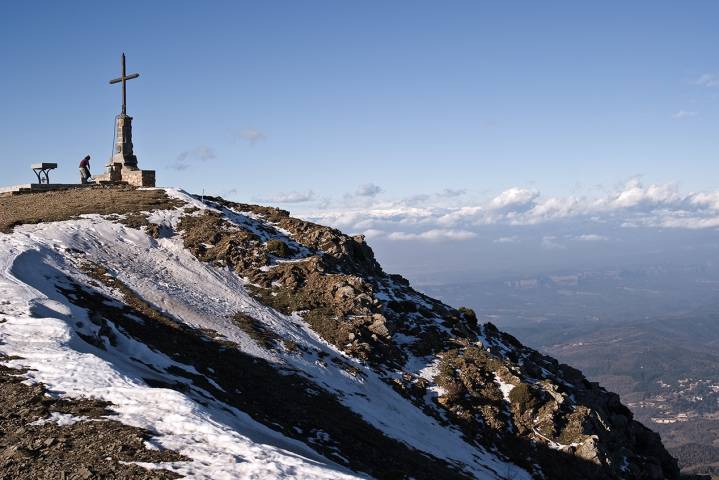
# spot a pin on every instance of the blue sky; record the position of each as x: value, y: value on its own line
x: 326, y: 106
x: 415, y: 96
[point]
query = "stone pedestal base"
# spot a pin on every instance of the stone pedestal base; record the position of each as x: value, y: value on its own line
x: 123, y: 142
x: 139, y: 178
x: 123, y: 164
x: 117, y: 172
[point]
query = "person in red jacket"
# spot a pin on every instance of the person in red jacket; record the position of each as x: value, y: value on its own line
x: 85, y: 170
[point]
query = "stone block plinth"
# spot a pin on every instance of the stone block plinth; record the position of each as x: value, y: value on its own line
x: 117, y: 172
x: 139, y: 178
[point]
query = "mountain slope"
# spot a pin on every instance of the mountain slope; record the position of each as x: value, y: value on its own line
x: 253, y: 344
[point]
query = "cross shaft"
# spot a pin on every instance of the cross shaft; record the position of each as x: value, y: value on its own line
x: 123, y: 78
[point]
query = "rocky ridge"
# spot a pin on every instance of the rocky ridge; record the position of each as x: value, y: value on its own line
x: 503, y: 397
x: 501, y: 394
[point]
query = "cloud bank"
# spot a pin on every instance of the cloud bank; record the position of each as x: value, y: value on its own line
x: 582, y: 219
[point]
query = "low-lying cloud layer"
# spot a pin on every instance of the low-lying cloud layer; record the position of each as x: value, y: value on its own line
x: 446, y: 217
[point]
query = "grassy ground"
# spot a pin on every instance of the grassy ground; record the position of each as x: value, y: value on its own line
x: 61, y: 205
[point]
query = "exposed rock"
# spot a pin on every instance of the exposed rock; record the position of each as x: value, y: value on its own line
x: 334, y: 282
x: 379, y: 325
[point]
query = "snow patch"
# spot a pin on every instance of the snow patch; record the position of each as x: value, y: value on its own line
x: 505, y: 387
x: 61, y: 419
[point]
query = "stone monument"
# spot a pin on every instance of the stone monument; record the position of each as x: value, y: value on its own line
x: 122, y: 167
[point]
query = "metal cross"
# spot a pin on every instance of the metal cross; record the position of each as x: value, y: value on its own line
x: 123, y: 79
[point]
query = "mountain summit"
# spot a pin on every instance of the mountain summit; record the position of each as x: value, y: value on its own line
x: 153, y: 334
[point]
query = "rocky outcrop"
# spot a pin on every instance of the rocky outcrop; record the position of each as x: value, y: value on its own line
x: 542, y: 415
x: 341, y: 307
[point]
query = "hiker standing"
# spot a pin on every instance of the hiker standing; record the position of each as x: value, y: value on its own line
x: 85, y: 170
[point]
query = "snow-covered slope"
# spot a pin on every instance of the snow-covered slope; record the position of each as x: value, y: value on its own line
x: 43, y: 329
x: 253, y: 345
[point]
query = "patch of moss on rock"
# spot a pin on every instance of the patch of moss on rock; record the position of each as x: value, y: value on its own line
x: 256, y: 330
x: 279, y: 248
x: 524, y: 397
x: 467, y: 376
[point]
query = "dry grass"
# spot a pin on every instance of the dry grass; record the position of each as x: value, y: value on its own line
x: 59, y: 205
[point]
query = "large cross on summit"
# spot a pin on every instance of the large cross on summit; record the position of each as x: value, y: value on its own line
x: 122, y: 166
x: 123, y: 78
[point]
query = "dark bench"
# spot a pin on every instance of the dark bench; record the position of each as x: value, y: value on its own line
x: 42, y: 170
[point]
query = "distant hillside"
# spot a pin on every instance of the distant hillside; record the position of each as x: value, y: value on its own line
x: 649, y: 333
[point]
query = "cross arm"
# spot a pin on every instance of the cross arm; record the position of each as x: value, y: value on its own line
x: 129, y: 77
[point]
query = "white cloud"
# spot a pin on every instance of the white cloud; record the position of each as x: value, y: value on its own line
x: 681, y: 114
x: 198, y: 154
x: 436, y: 198
x: 459, y: 215
x: 433, y: 235
x: 373, y: 233
x: 549, y: 242
x: 290, y: 197
x: 689, y: 223
x: 510, y: 239
x: 635, y: 195
x: 514, y: 199
x: 704, y: 200
x: 591, y: 237
x: 452, y: 192
x: 551, y: 209
x: 417, y: 199
x: 368, y: 190
x: 707, y: 80
x: 252, y: 135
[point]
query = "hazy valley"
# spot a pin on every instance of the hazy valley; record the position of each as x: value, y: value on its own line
x: 650, y: 333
